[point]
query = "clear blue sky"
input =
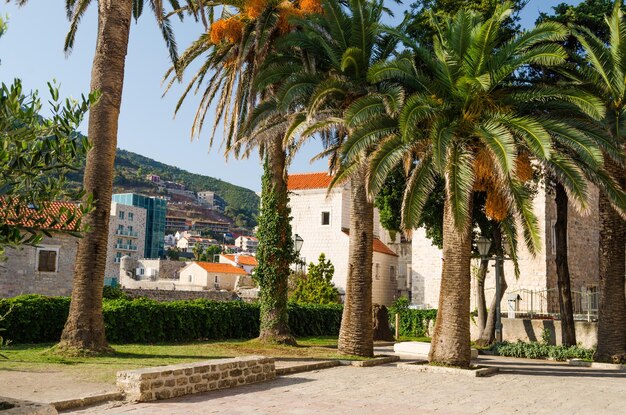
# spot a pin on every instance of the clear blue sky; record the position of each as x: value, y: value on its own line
x: 32, y: 50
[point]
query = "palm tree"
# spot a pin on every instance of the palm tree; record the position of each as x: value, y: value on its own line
x: 466, y: 121
x: 84, y: 329
x: 604, y: 75
x: 232, y: 52
x: 335, y: 49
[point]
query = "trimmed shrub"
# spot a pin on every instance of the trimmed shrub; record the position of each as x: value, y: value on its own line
x: 315, y: 319
x: 37, y: 319
x: 34, y: 318
x: 537, y: 350
x: 413, y: 323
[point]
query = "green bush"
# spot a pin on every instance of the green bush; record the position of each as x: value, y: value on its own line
x: 413, y: 323
x: 537, y: 350
x: 113, y: 293
x: 37, y: 319
x: 34, y: 318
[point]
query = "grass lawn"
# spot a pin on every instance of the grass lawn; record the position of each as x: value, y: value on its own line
x: 38, y: 357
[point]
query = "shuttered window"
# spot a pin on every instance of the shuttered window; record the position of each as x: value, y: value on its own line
x: 47, y: 261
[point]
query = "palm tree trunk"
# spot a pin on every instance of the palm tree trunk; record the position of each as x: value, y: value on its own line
x: 488, y: 336
x: 568, y: 330
x: 481, y: 303
x: 451, y: 340
x: 275, y: 253
x: 84, y: 329
x: 355, y: 335
x: 612, y: 308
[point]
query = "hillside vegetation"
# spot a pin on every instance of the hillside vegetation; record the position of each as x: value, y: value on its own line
x: 242, y: 204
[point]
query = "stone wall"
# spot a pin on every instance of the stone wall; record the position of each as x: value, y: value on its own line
x: 528, y: 330
x: 169, y: 295
x: 166, y: 382
x: 583, y: 250
x: 19, y: 275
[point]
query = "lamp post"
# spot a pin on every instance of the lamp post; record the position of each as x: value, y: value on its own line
x: 483, y: 244
x: 298, y: 242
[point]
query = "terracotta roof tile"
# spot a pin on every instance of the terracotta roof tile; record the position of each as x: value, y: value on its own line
x: 51, y: 209
x: 380, y: 247
x: 303, y: 181
x: 243, y: 259
x: 221, y: 268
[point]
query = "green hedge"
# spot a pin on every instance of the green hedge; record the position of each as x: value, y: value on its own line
x: 413, y: 323
x: 536, y: 350
x: 37, y: 319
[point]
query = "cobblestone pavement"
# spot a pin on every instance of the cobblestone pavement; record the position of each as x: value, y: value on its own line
x: 523, y: 387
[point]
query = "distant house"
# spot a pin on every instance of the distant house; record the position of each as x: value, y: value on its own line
x: 187, y: 243
x: 149, y: 273
x: 247, y: 243
x: 46, y: 269
x: 247, y: 262
x: 323, y: 222
x: 213, y: 276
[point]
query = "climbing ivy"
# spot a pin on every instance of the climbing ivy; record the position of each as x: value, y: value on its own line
x: 274, y: 256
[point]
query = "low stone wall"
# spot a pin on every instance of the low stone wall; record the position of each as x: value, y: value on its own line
x: 527, y: 330
x: 166, y: 382
x: 174, y: 295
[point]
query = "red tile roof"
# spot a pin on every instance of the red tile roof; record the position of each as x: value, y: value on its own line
x: 32, y: 217
x: 380, y: 247
x: 243, y: 259
x: 377, y: 245
x: 303, y: 181
x: 221, y: 268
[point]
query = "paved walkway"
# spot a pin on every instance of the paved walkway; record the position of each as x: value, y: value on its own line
x: 524, y: 387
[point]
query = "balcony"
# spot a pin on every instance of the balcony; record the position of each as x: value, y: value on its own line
x: 123, y: 232
x: 126, y: 247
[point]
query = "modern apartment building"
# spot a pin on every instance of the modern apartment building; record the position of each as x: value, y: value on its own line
x: 156, y: 209
x: 127, y: 235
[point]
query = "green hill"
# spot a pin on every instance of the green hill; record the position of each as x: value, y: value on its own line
x: 242, y: 205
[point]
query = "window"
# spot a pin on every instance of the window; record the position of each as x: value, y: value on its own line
x: 592, y: 297
x: 392, y: 273
x: 216, y: 279
x: 47, y: 259
x: 553, y: 236
x: 119, y: 241
x: 325, y: 218
x: 377, y: 271
x: 190, y: 278
x: 130, y: 216
x: 120, y: 228
x: 120, y: 214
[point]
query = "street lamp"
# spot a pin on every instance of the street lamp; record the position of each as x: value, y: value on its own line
x: 298, y: 241
x: 483, y: 244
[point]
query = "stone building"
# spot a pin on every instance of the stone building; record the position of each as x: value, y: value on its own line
x: 46, y: 269
x: 149, y: 274
x: 246, y: 262
x: 537, y: 273
x: 200, y: 276
x: 127, y: 235
x: 323, y: 220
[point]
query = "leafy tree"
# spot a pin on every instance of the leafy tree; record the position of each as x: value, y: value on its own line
x: 316, y: 286
x: 198, y: 252
x: 173, y: 254
x: 389, y: 202
x: 36, y: 153
x: 421, y: 28
x: 465, y: 123
x: 211, y: 251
